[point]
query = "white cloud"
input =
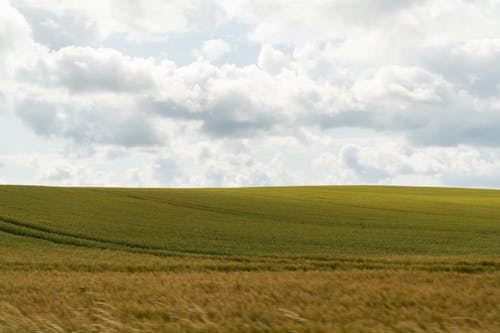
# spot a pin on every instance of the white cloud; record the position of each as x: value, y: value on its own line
x: 85, y: 69
x: 80, y: 92
x: 15, y: 38
x: 272, y: 60
x: 139, y: 21
x: 213, y: 49
x: 371, y: 92
x: 397, y: 83
x: 400, y: 163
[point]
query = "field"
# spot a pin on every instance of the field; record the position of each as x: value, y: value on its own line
x: 280, y: 259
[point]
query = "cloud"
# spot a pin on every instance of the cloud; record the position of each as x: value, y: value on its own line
x: 322, y: 102
x: 84, y: 69
x: 473, y: 65
x: 397, y: 162
x: 59, y: 29
x: 427, y: 21
x: 108, y: 89
x: 57, y: 175
x: 166, y: 170
x: 213, y: 49
x: 235, y: 115
x: 365, y: 172
x: 15, y: 36
x: 88, y: 125
x: 139, y: 21
x: 423, y: 106
x: 271, y: 60
x: 398, y: 83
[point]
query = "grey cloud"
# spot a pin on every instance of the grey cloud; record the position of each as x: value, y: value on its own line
x: 86, y: 70
x: 236, y: 115
x: 447, y: 124
x: 230, y: 115
x: 57, y: 174
x: 472, y: 128
x: 81, y: 73
x: 370, y: 13
x: 133, y: 131
x: 57, y: 31
x: 472, y: 180
x: 90, y: 22
x: 216, y: 178
x: 169, y: 109
x: 473, y: 66
x: 116, y: 154
x: 166, y: 170
x: 422, y: 106
x: 40, y: 116
x: 366, y: 173
x: 389, y: 121
x: 85, y: 126
x: 3, y: 106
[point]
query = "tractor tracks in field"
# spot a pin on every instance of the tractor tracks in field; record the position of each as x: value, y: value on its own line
x: 18, y: 228
x: 190, y: 205
x: 228, y: 263
x: 25, y: 229
x: 197, y: 206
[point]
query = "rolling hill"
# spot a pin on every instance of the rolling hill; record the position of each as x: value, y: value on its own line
x: 248, y: 221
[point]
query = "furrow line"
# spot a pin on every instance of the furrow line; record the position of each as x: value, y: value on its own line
x: 27, y: 230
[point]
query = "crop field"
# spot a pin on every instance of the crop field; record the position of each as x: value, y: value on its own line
x: 277, y: 259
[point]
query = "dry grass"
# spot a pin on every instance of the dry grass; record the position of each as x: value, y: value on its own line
x: 340, y: 301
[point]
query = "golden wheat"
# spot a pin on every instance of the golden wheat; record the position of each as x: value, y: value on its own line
x: 340, y: 301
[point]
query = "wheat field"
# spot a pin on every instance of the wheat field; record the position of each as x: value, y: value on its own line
x: 306, y: 259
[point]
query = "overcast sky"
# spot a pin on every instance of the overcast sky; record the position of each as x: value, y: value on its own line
x: 206, y: 93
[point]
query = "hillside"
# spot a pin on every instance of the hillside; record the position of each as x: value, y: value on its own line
x: 280, y: 220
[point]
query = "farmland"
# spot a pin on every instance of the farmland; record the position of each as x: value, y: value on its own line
x: 308, y: 259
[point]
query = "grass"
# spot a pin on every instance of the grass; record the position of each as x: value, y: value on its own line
x: 304, y: 259
x: 260, y: 221
x: 333, y: 301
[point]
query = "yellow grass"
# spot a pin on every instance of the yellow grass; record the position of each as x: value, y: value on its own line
x: 353, y: 300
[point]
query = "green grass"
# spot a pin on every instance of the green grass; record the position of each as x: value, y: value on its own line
x: 305, y: 221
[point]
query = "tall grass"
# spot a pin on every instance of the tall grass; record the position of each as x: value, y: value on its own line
x: 343, y: 301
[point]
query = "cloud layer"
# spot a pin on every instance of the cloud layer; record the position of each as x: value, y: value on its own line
x: 379, y: 92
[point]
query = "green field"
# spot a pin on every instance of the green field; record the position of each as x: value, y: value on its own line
x: 60, y: 245
x: 288, y: 220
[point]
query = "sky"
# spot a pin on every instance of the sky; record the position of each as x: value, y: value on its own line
x: 230, y: 93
